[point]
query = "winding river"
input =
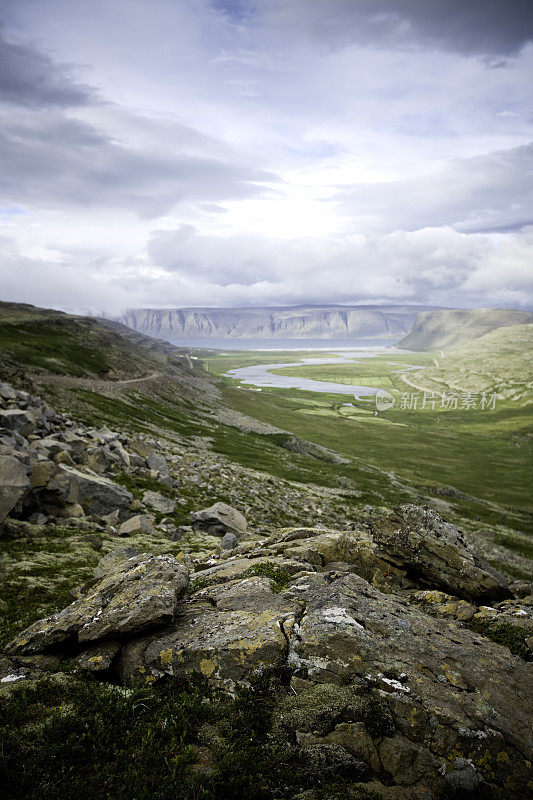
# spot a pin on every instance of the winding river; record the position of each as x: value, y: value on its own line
x: 261, y: 375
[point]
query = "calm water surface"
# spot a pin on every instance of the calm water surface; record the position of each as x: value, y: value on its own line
x: 261, y: 374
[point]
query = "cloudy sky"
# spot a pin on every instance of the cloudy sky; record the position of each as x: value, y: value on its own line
x: 266, y: 152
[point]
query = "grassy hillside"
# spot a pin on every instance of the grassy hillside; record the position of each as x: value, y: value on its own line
x: 44, y: 340
x: 68, y: 735
x: 441, y: 330
x: 397, y: 456
x: 501, y: 361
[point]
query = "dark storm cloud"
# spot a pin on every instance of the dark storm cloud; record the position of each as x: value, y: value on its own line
x: 28, y: 77
x: 467, y: 26
x: 50, y: 161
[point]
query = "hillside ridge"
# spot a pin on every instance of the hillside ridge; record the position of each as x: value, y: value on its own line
x: 450, y: 328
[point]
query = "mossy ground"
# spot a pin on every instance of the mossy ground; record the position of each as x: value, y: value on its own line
x: 62, y: 344
x: 63, y: 737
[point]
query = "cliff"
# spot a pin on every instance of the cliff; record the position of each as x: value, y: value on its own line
x: 298, y: 322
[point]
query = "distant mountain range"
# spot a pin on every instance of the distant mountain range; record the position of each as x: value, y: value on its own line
x: 294, y: 322
x: 444, y: 329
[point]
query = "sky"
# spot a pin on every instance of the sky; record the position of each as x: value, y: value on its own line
x: 173, y: 153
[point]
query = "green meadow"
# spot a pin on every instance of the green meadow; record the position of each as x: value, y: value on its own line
x: 483, y: 453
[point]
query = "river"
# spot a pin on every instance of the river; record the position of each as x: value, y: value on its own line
x: 261, y: 375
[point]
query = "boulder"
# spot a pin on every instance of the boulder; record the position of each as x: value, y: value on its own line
x: 226, y: 634
x: 103, y: 435
x: 417, y: 539
x: 94, y: 458
x: 118, y: 451
x: 77, y: 445
x: 218, y: 519
x: 18, y: 420
x: 7, y: 392
x: 64, y: 457
x: 139, y: 594
x: 52, y: 445
x: 233, y: 568
x: 141, y: 523
x: 42, y: 473
x: 98, y: 658
x: 406, y: 693
x: 228, y: 541
x: 158, y: 463
x: 14, y: 484
x: 156, y: 500
x: 97, y: 495
x: 389, y: 688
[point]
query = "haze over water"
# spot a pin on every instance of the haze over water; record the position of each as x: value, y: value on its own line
x: 285, y: 344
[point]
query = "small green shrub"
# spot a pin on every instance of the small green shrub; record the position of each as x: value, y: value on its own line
x: 279, y: 577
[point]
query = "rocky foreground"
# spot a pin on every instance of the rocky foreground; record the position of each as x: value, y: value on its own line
x: 400, y: 656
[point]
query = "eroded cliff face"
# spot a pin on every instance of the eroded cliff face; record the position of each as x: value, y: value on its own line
x: 283, y: 323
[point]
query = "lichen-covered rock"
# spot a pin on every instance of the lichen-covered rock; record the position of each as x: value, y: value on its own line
x: 236, y: 567
x: 218, y: 519
x: 98, y: 658
x: 141, y: 593
x: 447, y: 690
x: 14, y: 484
x: 416, y: 538
x: 386, y: 677
x: 97, y: 495
x: 443, y: 605
x: 224, y: 634
x: 320, y: 547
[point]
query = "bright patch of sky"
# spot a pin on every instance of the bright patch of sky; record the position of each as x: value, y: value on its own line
x: 236, y: 152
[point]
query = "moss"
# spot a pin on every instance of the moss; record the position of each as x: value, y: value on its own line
x: 344, y: 790
x: 511, y: 636
x: 69, y: 739
x: 323, y: 706
x: 279, y: 577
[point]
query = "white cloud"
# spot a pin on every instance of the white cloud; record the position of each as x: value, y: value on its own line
x: 236, y: 153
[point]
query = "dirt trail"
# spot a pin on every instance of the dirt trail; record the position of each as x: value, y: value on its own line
x: 93, y: 383
x: 418, y: 388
